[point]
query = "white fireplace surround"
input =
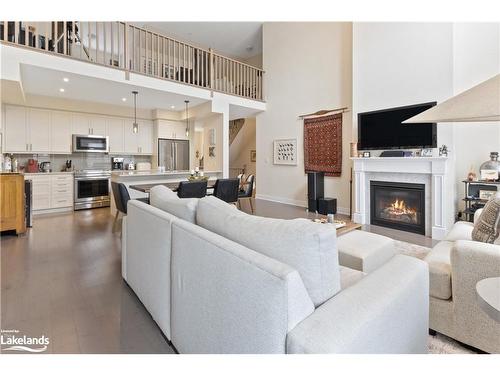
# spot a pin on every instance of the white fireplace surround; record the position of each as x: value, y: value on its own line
x: 431, y: 171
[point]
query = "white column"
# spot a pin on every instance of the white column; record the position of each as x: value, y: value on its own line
x: 359, y: 198
x: 225, y: 144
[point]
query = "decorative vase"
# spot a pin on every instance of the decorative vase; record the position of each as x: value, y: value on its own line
x: 490, y: 169
x: 354, y: 149
x: 471, y: 176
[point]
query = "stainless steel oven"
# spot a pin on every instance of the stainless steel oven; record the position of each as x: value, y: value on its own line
x: 90, y: 143
x: 92, y: 189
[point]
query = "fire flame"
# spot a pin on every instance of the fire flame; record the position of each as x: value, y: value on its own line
x: 399, y: 207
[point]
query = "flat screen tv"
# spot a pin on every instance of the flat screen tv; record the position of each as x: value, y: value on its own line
x: 383, y: 129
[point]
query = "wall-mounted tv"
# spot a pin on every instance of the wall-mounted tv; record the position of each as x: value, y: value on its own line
x: 383, y: 129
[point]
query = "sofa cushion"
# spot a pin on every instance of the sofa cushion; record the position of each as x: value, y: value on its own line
x: 461, y: 230
x: 165, y: 199
x: 364, y: 251
x: 486, y: 228
x: 349, y: 277
x: 308, y: 247
x: 440, y: 270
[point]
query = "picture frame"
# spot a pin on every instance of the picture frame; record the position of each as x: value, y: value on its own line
x: 253, y: 156
x: 212, y: 137
x: 285, y: 151
x: 487, y: 194
x: 489, y: 174
x: 211, y: 152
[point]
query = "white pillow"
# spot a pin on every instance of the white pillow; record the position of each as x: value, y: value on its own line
x: 165, y: 199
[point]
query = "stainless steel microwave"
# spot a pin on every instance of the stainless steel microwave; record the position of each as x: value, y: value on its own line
x: 90, y: 143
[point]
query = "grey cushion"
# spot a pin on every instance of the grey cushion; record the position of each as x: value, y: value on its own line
x: 440, y: 270
x: 308, y: 247
x: 364, y: 251
x: 165, y: 199
x: 486, y: 228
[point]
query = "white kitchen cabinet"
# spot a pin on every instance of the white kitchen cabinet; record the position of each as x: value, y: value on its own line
x: 98, y: 125
x: 15, y: 130
x: 130, y: 139
x: 115, y: 133
x: 80, y: 123
x: 61, y: 133
x: 171, y: 129
x: 145, y: 141
x: 39, y: 134
x: 51, y: 191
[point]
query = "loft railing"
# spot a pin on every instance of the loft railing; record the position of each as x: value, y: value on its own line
x: 128, y: 47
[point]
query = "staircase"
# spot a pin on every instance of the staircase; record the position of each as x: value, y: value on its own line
x: 234, y: 128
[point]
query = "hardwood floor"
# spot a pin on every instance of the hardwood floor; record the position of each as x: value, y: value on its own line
x: 63, y: 280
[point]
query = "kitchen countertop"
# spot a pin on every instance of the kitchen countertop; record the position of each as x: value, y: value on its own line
x: 48, y: 173
x: 155, y: 172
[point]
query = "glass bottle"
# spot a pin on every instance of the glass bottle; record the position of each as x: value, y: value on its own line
x: 490, y: 169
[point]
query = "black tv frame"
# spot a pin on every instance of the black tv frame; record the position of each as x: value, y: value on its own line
x: 434, y: 129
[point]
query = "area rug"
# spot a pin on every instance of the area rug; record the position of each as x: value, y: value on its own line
x: 323, y: 144
x: 439, y: 344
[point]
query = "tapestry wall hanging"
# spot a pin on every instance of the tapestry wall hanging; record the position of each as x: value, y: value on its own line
x: 323, y: 144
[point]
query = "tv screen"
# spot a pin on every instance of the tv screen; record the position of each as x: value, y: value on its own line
x: 383, y: 129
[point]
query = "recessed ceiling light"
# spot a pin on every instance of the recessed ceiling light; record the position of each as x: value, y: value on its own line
x: 124, y: 99
x: 66, y: 79
x: 61, y: 90
x: 172, y: 106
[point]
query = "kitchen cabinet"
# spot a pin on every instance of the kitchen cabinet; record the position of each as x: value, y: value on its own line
x: 80, y: 123
x: 140, y: 142
x: 61, y: 133
x: 15, y: 129
x: 12, y: 213
x: 98, y: 125
x: 115, y: 128
x: 171, y: 129
x: 39, y: 126
x: 51, y: 191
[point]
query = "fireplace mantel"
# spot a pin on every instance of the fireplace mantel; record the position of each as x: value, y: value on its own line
x: 435, y: 169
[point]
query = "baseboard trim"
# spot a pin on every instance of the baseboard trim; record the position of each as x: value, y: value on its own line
x: 294, y: 202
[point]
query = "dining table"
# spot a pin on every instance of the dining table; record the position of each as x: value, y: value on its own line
x: 146, y: 188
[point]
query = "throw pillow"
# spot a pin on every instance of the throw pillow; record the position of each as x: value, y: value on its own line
x: 486, y: 228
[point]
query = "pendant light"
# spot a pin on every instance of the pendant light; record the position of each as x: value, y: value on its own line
x: 135, y: 126
x: 187, y: 118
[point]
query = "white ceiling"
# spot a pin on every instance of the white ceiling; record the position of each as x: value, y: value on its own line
x: 47, y: 82
x: 234, y: 39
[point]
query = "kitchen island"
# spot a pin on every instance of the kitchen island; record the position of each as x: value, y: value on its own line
x: 150, y: 177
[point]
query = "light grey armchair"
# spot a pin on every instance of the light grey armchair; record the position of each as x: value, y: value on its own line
x: 455, y: 266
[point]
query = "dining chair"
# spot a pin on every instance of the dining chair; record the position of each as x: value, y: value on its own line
x: 247, y: 192
x: 192, y: 189
x: 122, y: 196
x: 227, y: 189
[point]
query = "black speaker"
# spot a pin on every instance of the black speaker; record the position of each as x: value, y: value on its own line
x: 327, y: 206
x: 315, y: 189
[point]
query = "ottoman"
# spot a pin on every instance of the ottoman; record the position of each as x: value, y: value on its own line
x: 364, y: 251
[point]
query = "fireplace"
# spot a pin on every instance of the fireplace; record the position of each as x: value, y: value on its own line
x: 398, y: 205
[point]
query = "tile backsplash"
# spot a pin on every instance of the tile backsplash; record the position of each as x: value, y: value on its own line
x: 81, y: 160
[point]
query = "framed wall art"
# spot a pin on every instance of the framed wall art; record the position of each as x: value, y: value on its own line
x: 285, y: 151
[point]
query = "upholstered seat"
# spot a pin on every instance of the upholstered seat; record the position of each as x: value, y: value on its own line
x: 364, y: 251
x: 440, y: 270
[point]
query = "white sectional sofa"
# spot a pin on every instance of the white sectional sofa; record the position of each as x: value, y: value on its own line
x: 455, y: 266
x: 237, y: 283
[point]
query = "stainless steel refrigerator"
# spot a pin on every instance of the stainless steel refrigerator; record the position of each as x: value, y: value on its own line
x: 173, y: 154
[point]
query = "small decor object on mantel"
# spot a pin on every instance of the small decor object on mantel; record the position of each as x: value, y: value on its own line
x: 489, y: 169
x: 354, y: 149
x: 285, y: 151
x: 366, y: 154
x: 427, y: 152
x: 443, y: 151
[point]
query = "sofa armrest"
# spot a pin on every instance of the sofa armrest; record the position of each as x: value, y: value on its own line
x: 386, y: 312
x: 472, y: 261
x: 477, y: 213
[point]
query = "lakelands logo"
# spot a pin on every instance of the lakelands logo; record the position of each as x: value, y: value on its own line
x: 11, y: 340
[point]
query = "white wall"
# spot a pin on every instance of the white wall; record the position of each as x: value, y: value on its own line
x: 407, y: 63
x: 308, y: 68
x: 243, y: 143
x: 476, y: 57
x: 212, y: 163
